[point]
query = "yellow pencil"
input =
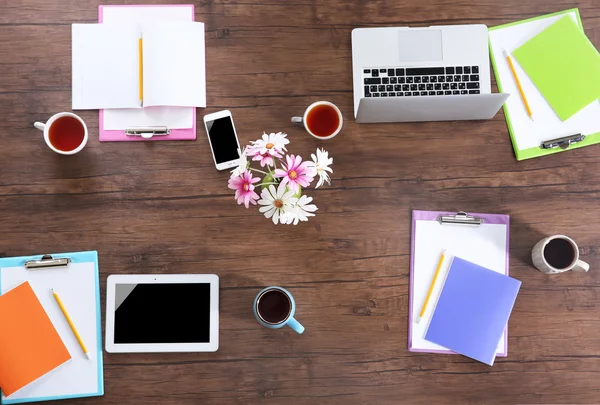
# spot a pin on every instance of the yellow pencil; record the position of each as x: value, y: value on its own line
x: 73, y: 328
x: 141, y: 71
x: 435, y: 276
x: 514, y: 72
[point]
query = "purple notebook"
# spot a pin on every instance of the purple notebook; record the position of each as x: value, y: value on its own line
x: 473, y: 310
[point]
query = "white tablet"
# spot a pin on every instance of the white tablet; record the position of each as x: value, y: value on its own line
x: 162, y: 313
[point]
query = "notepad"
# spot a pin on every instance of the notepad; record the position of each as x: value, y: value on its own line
x: 180, y: 120
x: 527, y: 135
x: 486, y: 244
x: 79, y: 288
x: 30, y: 346
x: 473, y: 310
x: 564, y: 66
x: 106, y: 61
x: 166, y: 116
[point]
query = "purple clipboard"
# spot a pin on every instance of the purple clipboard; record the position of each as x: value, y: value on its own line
x: 188, y: 134
x: 418, y: 215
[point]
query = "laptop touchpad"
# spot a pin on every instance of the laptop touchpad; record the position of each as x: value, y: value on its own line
x: 420, y: 45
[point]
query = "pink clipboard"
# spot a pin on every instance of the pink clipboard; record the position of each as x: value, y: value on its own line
x: 434, y: 216
x: 119, y: 136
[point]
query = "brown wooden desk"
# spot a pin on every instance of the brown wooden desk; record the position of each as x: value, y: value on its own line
x: 163, y: 208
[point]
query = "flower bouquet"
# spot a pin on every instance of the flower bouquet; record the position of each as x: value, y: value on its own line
x: 281, y: 181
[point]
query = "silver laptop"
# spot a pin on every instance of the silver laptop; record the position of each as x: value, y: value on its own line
x: 437, y: 73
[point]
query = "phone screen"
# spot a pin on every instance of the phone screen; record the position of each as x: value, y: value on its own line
x: 223, y: 139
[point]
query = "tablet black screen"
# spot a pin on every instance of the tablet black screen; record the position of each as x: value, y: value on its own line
x: 162, y: 313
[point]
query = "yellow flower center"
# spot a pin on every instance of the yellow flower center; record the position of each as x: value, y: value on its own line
x: 293, y: 175
x: 278, y: 203
x: 270, y: 145
x: 246, y: 186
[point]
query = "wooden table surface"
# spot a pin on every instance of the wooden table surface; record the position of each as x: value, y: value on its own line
x: 163, y: 208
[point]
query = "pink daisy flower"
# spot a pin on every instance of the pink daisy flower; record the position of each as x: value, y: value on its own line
x: 244, y: 188
x: 296, y: 173
x: 265, y: 158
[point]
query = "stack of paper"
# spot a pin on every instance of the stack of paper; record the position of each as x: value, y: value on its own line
x: 106, y: 65
x: 180, y: 120
x: 559, y: 70
x: 30, y: 346
x: 36, y: 337
x: 486, y: 244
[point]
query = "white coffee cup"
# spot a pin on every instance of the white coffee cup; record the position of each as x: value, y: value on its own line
x: 304, y: 119
x: 46, y: 128
x: 557, y: 254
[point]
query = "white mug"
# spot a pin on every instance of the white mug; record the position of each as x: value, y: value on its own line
x: 46, y: 128
x: 303, y: 120
x: 557, y: 254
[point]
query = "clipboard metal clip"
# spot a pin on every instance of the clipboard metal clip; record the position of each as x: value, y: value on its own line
x: 147, y: 132
x: 461, y: 218
x: 47, y: 261
x: 563, y: 142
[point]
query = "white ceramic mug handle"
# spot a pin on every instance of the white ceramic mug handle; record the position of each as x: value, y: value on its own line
x: 39, y: 125
x: 298, y: 120
x: 581, y: 266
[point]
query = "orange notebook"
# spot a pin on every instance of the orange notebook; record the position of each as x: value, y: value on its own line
x: 29, y: 344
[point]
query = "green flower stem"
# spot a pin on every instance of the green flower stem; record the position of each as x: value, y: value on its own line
x: 260, y: 171
x: 266, y: 183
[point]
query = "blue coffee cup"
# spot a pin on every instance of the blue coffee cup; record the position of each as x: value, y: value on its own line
x: 274, y: 307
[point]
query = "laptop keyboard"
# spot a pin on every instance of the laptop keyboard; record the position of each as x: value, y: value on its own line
x: 421, y: 81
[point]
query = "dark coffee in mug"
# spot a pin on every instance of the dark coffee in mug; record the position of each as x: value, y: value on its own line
x: 559, y: 253
x: 273, y: 306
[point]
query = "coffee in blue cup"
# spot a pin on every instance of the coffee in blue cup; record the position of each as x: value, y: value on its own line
x: 274, y: 307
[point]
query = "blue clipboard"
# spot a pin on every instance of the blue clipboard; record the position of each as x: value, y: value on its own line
x: 75, y: 257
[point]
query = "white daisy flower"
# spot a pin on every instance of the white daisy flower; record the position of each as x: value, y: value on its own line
x: 271, y: 143
x: 322, y: 162
x: 299, y: 212
x: 276, y: 203
x: 243, y: 164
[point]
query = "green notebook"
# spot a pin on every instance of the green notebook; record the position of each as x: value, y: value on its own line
x: 564, y: 65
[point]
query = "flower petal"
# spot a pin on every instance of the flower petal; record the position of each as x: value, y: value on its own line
x: 284, y: 181
x: 320, y: 182
x: 310, y: 208
x: 290, y: 161
x: 281, y: 189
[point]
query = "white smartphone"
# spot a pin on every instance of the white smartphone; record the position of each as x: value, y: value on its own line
x: 222, y: 139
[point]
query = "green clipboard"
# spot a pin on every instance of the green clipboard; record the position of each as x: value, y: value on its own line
x: 522, y: 154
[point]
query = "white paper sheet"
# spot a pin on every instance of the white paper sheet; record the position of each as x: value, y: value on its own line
x: 484, y: 245
x: 174, y: 64
x: 171, y: 117
x: 545, y: 125
x: 105, y: 66
x: 138, y: 14
x: 76, y: 286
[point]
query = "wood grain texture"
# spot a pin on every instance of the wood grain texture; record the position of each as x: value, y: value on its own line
x: 162, y: 208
